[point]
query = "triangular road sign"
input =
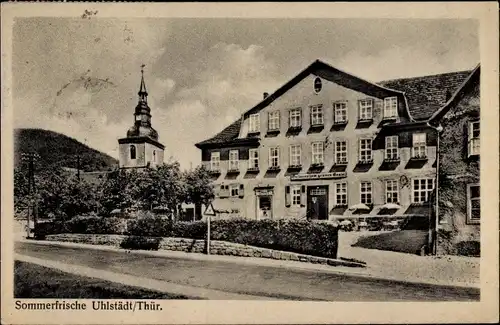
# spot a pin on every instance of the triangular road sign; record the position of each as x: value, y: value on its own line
x: 210, y: 211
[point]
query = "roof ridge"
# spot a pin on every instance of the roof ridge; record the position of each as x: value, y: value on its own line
x: 427, y: 76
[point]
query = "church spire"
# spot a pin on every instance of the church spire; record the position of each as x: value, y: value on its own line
x: 143, y: 94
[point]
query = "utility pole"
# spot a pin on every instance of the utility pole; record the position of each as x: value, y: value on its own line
x: 32, y: 209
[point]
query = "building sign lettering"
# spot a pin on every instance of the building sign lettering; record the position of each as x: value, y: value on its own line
x: 304, y: 177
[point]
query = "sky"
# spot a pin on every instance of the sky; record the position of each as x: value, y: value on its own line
x: 80, y: 77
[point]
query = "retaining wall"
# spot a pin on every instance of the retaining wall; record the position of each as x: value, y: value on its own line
x: 217, y: 247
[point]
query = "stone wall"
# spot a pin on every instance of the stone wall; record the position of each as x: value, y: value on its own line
x: 217, y: 247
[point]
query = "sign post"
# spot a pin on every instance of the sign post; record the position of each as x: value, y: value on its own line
x: 209, y: 212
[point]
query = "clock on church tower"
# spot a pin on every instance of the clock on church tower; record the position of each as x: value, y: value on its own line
x: 141, y: 148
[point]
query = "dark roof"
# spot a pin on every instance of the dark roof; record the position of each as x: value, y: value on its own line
x: 425, y: 95
x: 471, y: 80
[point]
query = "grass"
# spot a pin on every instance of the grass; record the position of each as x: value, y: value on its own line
x: 403, y: 241
x: 34, y: 281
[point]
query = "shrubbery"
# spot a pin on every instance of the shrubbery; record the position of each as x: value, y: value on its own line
x: 149, y: 224
x: 139, y: 242
x: 306, y: 237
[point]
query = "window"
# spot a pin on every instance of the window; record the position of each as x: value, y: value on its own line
x: 341, y: 194
x: 132, y: 152
x: 274, y: 157
x: 341, y: 152
x: 295, y: 118
x: 391, y: 147
x: 317, y: 115
x: 473, y: 203
x: 317, y: 85
x: 365, y: 150
x: 254, y: 123
x: 474, y: 148
x: 234, y: 190
x: 391, y: 191
x: 365, y: 109
x: 366, y: 192
x: 295, y: 155
x: 273, y: 122
x: 215, y: 161
x: 419, y: 145
x: 296, y: 195
x: 422, y: 189
x: 154, y: 156
x: 317, y: 153
x: 340, y: 112
x: 233, y: 160
x: 253, y: 159
x: 390, y: 107
x: 224, y: 191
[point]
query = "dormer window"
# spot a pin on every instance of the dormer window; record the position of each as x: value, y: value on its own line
x: 365, y: 109
x: 390, y: 107
x: 317, y: 115
x: 137, y: 117
x: 254, y: 121
x: 132, y: 152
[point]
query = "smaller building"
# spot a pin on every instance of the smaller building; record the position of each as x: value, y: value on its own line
x: 141, y: 148
x: 459, y: 184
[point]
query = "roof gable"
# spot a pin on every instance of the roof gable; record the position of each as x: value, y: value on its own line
x: 472, y: 79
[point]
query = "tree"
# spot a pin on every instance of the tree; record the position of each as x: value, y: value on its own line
x: 199, y: 188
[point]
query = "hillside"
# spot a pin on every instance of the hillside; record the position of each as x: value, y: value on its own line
x: 58, y: 149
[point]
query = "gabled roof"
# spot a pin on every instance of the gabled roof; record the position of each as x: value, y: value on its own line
x: 422, y: 95
x: 472, y: 79
x: 427, y: 94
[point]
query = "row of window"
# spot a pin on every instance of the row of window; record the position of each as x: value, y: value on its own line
x: 391, y: 151
x: 421, y: 192
x: 365, y: 112
x: 340, y: 149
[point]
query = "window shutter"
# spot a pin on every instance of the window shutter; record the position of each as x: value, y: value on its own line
x: 242, y: 190
x: 287, y: 196
x: 303, y: 196
x: 469, y: 138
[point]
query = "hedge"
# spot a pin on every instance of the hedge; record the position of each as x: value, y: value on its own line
x: 305, y: 237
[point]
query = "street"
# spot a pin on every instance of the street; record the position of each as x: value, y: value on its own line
x: 266, y: 281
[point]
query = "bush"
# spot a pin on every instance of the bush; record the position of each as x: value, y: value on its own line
x: 139, y: 242
x: 469, y: 248
x: 194, y: 229
x: 319, y: 239
x: 93, y: 225
x: 149, y: 224
x: 43, y: 229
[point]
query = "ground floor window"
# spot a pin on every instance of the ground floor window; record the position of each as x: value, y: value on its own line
x: 341, y: 194
x: 366, y: 192
x: 473, y: 203
x: 296, y: 195
x: 422, y: 189
x: 235, y: 190
x: 391, y: 191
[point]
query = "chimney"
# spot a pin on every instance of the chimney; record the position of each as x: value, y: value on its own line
x: 266, y: 95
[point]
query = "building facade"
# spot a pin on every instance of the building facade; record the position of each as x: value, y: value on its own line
x: 141, y: 148
x: 328, y: 144
x: 459, y: 191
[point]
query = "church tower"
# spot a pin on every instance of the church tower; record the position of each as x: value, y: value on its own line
x: 141, y: 149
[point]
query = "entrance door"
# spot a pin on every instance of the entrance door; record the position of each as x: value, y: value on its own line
x: 317, y: 202
x: 265, y: 207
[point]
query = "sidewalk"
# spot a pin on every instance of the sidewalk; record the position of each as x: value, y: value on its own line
x: 380, y: 265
